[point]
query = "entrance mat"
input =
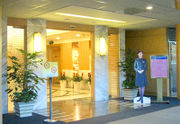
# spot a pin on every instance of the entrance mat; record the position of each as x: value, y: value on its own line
x: 11, y: 118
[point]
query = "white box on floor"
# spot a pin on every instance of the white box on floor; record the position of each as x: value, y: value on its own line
x: 146, y: 100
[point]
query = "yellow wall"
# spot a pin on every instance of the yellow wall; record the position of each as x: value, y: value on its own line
x: 84, y: 55
x: 62, y: 54
x: 66, y: 56
x: 152, y: 42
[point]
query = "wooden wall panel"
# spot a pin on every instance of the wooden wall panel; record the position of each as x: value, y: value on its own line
x: 152, y: 42
x: 113, y: 58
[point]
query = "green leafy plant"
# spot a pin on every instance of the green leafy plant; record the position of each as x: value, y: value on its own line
x: 89, y: 77
x: 21, y: 77
x: 127, y: 66
x: 62, y: 76
x: 77, y: 78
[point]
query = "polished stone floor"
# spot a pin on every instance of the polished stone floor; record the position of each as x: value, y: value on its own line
x: 78, y: 109
x: 59, y: 94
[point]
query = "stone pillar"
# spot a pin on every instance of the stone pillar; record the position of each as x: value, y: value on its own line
x: 4, y: 58
x: 101, y: 87
x: 1, y: 62
x: 38, y: 25
x: 177, y: 2
x: 121, y: 57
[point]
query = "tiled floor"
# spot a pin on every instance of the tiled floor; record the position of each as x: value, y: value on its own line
x: 78, y: 109
x: 67, y: 93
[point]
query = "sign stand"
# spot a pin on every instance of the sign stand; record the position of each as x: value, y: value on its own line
x: 159, y: 70
x: 160, y: 92
x: 50, y: 69
x: 50, y: 99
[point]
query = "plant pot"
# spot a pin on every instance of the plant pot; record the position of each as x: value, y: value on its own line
x: 63, y: 84
x: 23, y: 109
x: 82, y: 85
x: 76, y: 85
x: 71, y: 84
x: 130, y: 94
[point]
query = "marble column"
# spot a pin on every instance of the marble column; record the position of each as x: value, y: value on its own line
x: 38, y: 25
x: 121, y: 57
x: 101, y: 87
x: 4, y: 58
x: 1, y: 61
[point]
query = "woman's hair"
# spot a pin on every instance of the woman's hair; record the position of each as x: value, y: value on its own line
x: 139, y: 51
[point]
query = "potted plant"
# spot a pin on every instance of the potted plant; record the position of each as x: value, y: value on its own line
x: 63, y: 81
x: 23, y: 82
x: 127, y: 67
x: 76, y: 80
x: 89, y: 81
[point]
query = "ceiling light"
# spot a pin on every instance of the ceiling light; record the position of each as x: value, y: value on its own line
x: 149, y: 7
x: 78, y: 35
x: 102, y: 2
x: 57, y: 38
x: 89, y: 17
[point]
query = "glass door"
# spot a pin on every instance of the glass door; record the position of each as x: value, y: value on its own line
x: 171, y: 33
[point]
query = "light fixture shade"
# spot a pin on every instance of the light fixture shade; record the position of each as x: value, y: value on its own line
x: 37, y: 42
x: 102, y: 45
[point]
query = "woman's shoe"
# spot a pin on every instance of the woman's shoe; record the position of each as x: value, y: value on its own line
x: 139, y: 100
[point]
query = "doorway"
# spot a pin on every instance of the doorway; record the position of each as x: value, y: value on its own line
x: 71, y: 50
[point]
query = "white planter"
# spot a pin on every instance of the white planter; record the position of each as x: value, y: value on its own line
x: 63, y: 84
x: 76, y: 85
x: 89, y: 86
x: 71, y: 84
x: 23, y: 109
x: 83, y: 85
x: 130, y: 94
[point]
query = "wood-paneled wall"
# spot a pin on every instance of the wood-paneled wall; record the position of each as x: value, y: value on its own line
x: 113, y: 57
x: 152, y: 42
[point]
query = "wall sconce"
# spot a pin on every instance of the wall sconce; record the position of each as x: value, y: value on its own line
x: 37, y: 42
x: 102, y: 46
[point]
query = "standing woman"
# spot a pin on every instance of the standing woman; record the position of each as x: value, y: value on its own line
x: 140, y: 66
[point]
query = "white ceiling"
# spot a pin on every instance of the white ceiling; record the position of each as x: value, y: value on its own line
x: 66, y: 36
x: 133, y: 12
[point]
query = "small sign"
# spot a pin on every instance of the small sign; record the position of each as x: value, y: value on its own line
x: 50, y: 69
x: 159, y: 66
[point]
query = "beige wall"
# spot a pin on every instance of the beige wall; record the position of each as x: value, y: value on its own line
x: 152, y: 42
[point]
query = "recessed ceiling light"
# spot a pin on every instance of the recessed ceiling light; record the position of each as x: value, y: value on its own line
x: 101, y: 2
x: 78, y: 35
x: 57, y: 38
x: 89, y: 17
x: 149, y: 7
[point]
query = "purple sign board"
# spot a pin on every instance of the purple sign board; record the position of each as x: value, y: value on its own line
x: 159, y: 66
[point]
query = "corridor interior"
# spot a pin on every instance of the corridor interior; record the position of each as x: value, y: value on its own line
x: 71, y: 50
